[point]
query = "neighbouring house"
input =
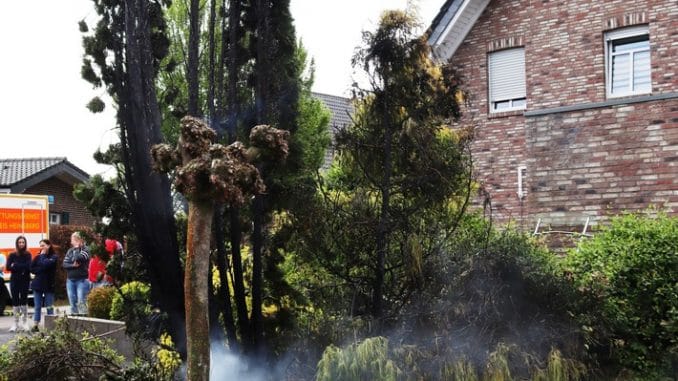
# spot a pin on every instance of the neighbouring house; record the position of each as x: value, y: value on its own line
x: 341, y: 110
x: 574, y: 103
x: 53, y: 177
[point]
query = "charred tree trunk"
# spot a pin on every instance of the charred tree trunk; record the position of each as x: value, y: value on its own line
x: 232, y: 118
x: 384, y: 220
x: 211, y: 106
x: 222, y: 266
x: 233, y: 68
x: 216, y: 333
x: 262, y: 100
x: 257, y: 273
x: 222, y: 302
x: 193, y: 56
x: 238, y: 276
x: 151, y: 201
x: 197, y: 266
x: 222, y: 105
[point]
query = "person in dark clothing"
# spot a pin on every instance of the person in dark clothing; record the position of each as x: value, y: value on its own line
x: 19, y: 264
x: 44, y: 268
x: 76, y: 263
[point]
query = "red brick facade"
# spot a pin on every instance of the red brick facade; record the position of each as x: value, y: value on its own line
x: 64, y: 202
x: 592, y: 161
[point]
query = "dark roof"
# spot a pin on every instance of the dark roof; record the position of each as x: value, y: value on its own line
x: 19, y: 174
x: 443, y: 18
x: 340, y: 107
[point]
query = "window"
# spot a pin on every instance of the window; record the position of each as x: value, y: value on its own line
x: 628, y: 62
x: 55, y: 218
x: 506, y: 74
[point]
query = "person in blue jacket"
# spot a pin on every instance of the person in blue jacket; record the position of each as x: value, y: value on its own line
x: 44, y: 268
x: 19, y: 264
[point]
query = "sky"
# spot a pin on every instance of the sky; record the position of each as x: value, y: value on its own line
x: 43, y: 98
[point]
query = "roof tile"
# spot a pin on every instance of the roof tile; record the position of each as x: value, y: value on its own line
x: 13, y: 171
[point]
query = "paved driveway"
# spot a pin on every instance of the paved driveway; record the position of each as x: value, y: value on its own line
x: 7, y: 321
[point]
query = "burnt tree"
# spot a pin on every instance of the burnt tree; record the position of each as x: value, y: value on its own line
x: 207, y: 173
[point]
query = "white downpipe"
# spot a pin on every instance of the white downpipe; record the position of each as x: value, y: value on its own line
x: 522, y: 171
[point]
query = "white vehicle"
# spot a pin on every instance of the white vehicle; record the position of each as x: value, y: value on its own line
x: 25, y: 215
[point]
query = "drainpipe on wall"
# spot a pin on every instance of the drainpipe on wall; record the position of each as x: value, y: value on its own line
x: 522, y: 171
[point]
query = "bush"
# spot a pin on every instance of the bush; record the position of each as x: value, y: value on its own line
x: 133, y: 297
x: 87, y: 357
x: 489, y: 287
x: 376, y: 359
x: 627, y: 276
x: 132, y: 305
x: 60, y: 354
x: 99, y: 302
x: 363, y: 361
x: 168, y: 359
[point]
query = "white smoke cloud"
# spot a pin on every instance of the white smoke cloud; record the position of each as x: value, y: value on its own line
x: 228, y: 366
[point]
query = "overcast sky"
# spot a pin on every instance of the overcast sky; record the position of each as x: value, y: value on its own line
x: 43, y: 98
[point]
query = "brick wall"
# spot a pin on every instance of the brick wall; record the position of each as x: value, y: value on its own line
x: 63, y: 200
x: 580, y: 163
x: 603, y: 161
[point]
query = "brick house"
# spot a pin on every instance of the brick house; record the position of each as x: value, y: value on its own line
x: 574, y: 103
x: 54, y: 177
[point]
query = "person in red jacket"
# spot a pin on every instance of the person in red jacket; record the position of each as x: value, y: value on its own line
x: 97, y: 266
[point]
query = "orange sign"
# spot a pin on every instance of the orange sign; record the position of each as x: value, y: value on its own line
x: 22, y: 220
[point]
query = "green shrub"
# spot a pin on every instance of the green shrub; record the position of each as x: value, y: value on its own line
x: 167, y: 358
x: 131, y: 304
x: 5, y: 361
x: 99, y: 302
x: 376, y: 359
x: 368, y: 360
x: 560, y: 369
x: 627, y: 275
x: 133, y: 297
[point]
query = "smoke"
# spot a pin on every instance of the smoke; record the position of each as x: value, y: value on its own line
x: 226, y: 365
x: 229, y: 366
x: 504, y: 295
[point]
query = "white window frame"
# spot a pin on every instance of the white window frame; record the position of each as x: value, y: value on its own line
x: 514, y: 103
x: 58, y: 218
x: 620, y: 34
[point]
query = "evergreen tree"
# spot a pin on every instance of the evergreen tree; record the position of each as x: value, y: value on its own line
x: 400, y: 183
x: 126, y: 47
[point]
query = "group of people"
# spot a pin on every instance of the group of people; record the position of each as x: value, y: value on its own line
x: 83, y: 272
